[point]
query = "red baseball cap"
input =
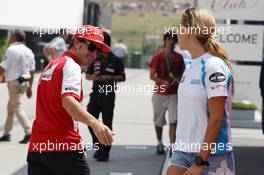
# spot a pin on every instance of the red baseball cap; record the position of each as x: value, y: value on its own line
x: 94, y: 34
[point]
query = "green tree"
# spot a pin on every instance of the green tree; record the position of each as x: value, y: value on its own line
x: 3, y: 46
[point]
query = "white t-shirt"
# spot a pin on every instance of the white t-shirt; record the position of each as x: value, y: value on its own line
x: 207, y: 77
x: 18, y: 61
x: 120, y: 50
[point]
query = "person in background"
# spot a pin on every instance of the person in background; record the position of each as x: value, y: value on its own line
x: 19, y: 68
x: 166, y: 69
x: 57, y: 46
x: 120, y: 50
x: 105, y: 71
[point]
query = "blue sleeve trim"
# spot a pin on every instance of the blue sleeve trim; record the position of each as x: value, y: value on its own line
x: 203, y: 72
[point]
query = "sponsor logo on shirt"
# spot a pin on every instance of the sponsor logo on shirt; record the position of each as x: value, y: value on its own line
x: 219, y: 86
x: 97, y: 63
x: 71, y: 89
x: 195, y: 81
x: 110, y: 70
x: 217, y: 77
x: 47, y: 74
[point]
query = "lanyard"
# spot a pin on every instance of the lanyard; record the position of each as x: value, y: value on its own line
x: 171, y: 75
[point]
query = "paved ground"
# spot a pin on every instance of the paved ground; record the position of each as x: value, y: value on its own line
x: 125, y: 160
x: 133, y: 151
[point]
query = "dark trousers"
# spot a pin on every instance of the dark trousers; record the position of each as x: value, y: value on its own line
x: 105, y: 104
x: 57, y: 163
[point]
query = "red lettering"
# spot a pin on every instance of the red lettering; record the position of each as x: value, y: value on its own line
x: 217, y: 5
x: 242, y: 4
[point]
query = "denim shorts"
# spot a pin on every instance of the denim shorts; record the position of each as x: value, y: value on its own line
x: 219, y: 164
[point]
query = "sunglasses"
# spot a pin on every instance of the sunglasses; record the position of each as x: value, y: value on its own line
x: 190, y: 15
x: 90, y: 45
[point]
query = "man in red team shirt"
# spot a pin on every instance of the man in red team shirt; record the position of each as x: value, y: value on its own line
x: 166, y: 69
x: 55, y: 147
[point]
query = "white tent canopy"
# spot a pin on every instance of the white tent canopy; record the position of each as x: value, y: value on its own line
x: 45, y: 14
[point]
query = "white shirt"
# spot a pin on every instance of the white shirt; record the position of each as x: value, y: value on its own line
x: 120, y: 50
x: 207, y: 77
x: 59, y: 44
x: 18, y: 61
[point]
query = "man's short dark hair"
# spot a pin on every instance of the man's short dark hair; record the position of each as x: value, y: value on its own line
x: 63, y: 31
x: 71, y: 43
x: 20, y: 35
x: 170, y: 34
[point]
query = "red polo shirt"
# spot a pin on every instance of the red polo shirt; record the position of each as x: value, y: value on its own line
x: 54, y: 130
x: 176, y: 63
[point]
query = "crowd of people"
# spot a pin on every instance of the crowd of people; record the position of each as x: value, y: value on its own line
x: 200, y: 118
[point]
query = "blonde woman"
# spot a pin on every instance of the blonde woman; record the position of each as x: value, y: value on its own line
x: 203, y: 145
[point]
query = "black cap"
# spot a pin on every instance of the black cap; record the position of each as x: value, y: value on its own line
x: 107, y: 38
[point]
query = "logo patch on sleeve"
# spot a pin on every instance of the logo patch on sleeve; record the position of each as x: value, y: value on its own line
x: 71, y: 89
x: 217, y: 77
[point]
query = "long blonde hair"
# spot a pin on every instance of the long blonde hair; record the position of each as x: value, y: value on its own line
x: 202, y: 19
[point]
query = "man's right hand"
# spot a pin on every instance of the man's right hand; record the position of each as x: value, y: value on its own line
x: 166, y: 84
x: 74, y: 108
x: 103, y: 133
